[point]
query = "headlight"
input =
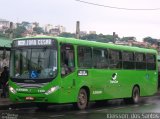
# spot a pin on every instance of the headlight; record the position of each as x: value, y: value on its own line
x: 51, y: 90
x: 11, y: 89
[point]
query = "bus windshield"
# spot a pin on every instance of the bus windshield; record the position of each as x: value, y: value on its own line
x: 33, y: 63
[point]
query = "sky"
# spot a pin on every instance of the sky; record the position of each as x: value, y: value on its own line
x: 137, y: 23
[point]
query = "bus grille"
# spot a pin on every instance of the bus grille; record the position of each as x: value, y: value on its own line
x: 27, y: 85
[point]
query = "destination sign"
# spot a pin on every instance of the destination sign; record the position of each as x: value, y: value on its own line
x: 34, y: 42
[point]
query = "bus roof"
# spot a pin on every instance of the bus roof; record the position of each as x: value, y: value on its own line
x: 95, y: 44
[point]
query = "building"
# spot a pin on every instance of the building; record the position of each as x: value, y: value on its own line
x: 54, y: 32
x: 35, y: 24
x: 123, y: 43
x: 61, y: 28
x: 4, y: 24
x: 5, y: 47
x: 92, y: 32
x: 83, y: 33
x: 48, y: 27
x: 29, y: 27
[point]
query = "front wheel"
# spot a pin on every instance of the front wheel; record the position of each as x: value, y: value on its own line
x: 82, y: 100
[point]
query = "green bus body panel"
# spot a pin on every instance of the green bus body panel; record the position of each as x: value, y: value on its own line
x: 98, y: 81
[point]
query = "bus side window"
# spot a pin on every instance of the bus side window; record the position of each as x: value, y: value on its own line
x: 84, y: 57
x: 128, y: 60
x: 140, y: 61
x: 67, y: 59
x: 100, y: 58
x: 151, y: 61
x: 115, y: 59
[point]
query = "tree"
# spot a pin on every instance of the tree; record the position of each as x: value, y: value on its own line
x: 67, y: 35
x: 128, y: 38
x: 100, y: 38
x: 111, y: 38
x: 2, y: 34
x: 24, y: 23
x: 150, y: 40
x: 19, y: 31
x: 38, y: 30
x: 91, y: 37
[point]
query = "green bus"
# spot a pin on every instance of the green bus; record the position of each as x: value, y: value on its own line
x: 56, y: 70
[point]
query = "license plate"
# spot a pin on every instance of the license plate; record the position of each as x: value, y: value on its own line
x: 29, y: 98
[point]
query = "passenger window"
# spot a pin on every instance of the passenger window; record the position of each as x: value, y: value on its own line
x: 140, y: 61
x: 100, y: 58
x: 151, y: 62
x: 67, y: 59
x: 115, y: 59
x: 84, y: 57
x: 128, y: 60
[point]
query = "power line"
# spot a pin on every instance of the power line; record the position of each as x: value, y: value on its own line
x: 121, y: 8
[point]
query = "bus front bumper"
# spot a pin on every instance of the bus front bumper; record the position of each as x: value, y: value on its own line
x: 50, y: 97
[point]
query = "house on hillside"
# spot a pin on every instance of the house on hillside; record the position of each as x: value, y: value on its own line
x: 5, y: 47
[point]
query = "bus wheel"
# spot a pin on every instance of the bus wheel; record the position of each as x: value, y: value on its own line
x: 82, y: 100
x: 135, y: 95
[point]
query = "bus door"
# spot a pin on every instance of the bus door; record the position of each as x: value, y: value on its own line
x: 99, y: 72
x: 113, y: 85
x: 84, y: 62
x: 67, y: 69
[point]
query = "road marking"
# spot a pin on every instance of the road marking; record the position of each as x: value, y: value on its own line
x: 11, y: 109
x: 118, y: 107
x: 33, y: 108
x: 56, y: 116
x: 135, y: 106
x: 83, y: 112
x: 101, y: 110
x: 147, y: 104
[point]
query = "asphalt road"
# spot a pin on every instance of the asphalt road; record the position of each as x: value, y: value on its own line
x: 148, y: 108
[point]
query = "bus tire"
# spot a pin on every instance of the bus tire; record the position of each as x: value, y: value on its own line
x: 82, y: 100
x: 135, y: 95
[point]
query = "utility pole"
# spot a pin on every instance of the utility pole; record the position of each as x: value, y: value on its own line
x: 77, y: 29
x: 114, y: 37
x: 11, y: 30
